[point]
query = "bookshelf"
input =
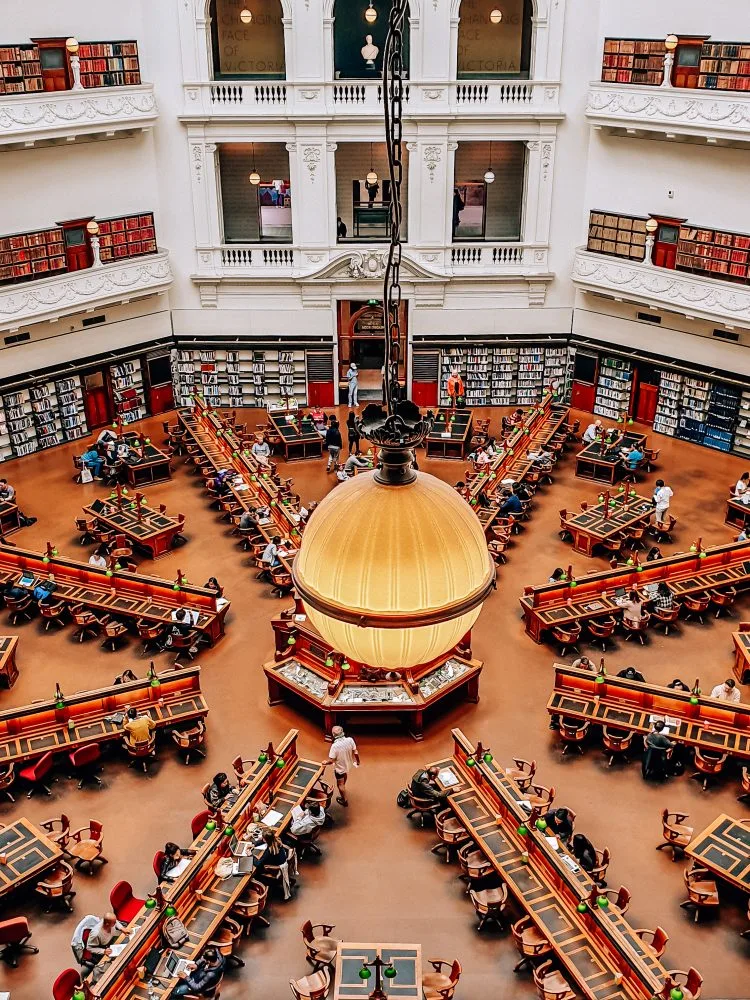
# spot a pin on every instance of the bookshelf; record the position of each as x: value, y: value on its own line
x: 20, y: 423
x: 504, y: 376
x: 479, y: 365
x: 723, y: 410
x: 20, y: 69
x: 613, y: 388
x: 667, y: 413
x: 25, y: 256
x: 109, y: 64
x: 234, y: 377
x: 617, y: 235
x: 530, y: 375
x: 742, y: 431
x: 127, y: 390
x: 126, y: 236
x: 714, y: 252
x: 724, y: 66
x: 691, y: 425
x: 633, y: 60
x: 44, y: 414
x: 451, y: 358
x: 504, y: 379
x: 70, y: 408
x: 6, y: 451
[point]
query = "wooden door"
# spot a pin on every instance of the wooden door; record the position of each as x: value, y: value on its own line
x: 582, y: 396
x: 686, y: 69
x: 77, y: 250
x: 96, y: 399
x: 665, y: 244
x: 53, y: 56
x: 645, y: 409
x: 159, y: 389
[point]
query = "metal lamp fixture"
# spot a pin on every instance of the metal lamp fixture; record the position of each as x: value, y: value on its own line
x: 246, y: 16
x: 651, y: 226
x: 671, y: 42
x: 371, y: 15
x: 72, y: 46
x: 92, y: 228
x: 496, y: 16
x: 489, y: 174
x: 372, y: 177
x: 254, y: 176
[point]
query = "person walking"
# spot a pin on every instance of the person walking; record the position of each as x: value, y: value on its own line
x: 352, y: 377
x: 333, y: 444
x: 344, y: 756
x: 354, y: 435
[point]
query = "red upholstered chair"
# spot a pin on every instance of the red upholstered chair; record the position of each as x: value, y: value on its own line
x: 36, y: 774
x: 198, y: 822
x: 124, y: 904
x: 84, y: 761
x: 66, y: 984
x: 157, y: 863
x: 14, y: 937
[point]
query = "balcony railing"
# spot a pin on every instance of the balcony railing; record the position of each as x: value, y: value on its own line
x: 661, y: 288
x: 76, y: 291
x: 27, y: 119
x: 496, y: 258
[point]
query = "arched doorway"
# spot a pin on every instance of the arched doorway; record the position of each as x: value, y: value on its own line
x: 489, y: 48
x: 247, y: 39
x: 354, y: 57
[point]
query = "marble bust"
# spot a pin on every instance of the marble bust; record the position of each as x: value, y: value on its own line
x: 369, y: 52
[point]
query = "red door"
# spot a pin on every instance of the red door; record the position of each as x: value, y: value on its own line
x: 646, y: 407
x: 160, y: 393
x: 582, y: 396
x: 320, y: 393
x: 686, y: 69
x: 96, y: 400
x: 425, y: 393
x: 665, y: 245
x: 53, y: 57
x: 77, y: 251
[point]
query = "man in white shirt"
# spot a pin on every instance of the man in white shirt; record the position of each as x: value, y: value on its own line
x: 481, y: 458
x: 7, y: 492
x: 261, y: 451
x: 344, y: 756
x: 589, y: 435
x: 304, y: 821
x: 727, y: 691
x: 742, y: 484
x: 662, y: 495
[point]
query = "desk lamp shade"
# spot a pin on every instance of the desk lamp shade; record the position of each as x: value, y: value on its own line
x: 393, y: 575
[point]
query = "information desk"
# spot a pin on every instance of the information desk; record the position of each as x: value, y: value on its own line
x: 598, y: 523
x: 405, y: 958
x: 633, y: 706
x: 597, y: 461
x: 724, y: 848
x: 10, y: 517
x: 450, y: 434
x: 308, y: 669
x: 299, y: 439
x: 146, y: 464
x: 203, y: 900
x: 738, y: 514
x: 564, y: 602
x: 28, y: 854
x: 601, y: 954
x: 741, y: 641
x: 29, y: 731
x: 145, y: 527
x: 8, y: 668
x: 126, y: 595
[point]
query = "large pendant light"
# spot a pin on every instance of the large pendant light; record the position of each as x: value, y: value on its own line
x: 371, y: 15
x: 489, y: 174
x: 393, y: 566
x: 372, y: 177
x: 254, y: 176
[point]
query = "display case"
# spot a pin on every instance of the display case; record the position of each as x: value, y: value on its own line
x: 714, y: 252
x: 724, y: 66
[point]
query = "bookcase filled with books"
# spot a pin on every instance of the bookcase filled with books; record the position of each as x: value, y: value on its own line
x: 109, y: 64
x: 70, y: 407
x: 25, y: 256
x: 504, y: 376
x: 714, y: 252
x: 451, y: 359
x: 504, y: 379
x: 613, y: 388
x: 530, y: 375
x: 617, y: 235
x: 20, y: 69
x: 691, y: 425
x: 235, y: 377
x: 633, y: 60
x: 19, y: 422
x: 127, y: 390
x: 45, y: 414
x: 668, y: 403
x: 742, y: 431
x: 721, y: 418
x: 126, y: 236
x: 724, y: 66
x: 285, y: 377
x: 478, y: 379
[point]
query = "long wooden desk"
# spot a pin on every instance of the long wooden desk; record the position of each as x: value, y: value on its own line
x: 724, y: 848
x: 450, y: 434
x: 598, y: 461
x: 28, y: 731
x: 203, y: 900
x: 149, y: 466
x: 738, y: 514
x: 28, y: 854
x: 599, y: 950
x: 298, y: 439
x: 741, y: 641
x: 598, y: 523
x: 10, y: 517
x: 145, y: 527
x: 405, y: 958
x: 131, y: 595
x: 561, y: 603
x: 721, y: 726
x: 8, y: 668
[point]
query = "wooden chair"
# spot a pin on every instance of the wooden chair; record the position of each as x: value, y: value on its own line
x: 723, y: 600
x: 572, y: 733
x: 631, y: 628
x: 550, y: 983
x: 497, y: 550
x: 540, y: 796
x: 125, y: 905
x: 745, y: 785
x: 522, y: 772
x: 601, y: 629
x: 56, y: 886
x: 312, y: 987
x: 440, y: 985
x: 490, y: 904
x: 567, y: 636
x: 663, y: 529
x: 225, y: 939
x: 703, y: 893
x: 36, y: 774
x: 421, y: 807
x: 249, y: 907
x: 141, y: 751
x: 709, y: 763
x: 676, y: 835
x: 695, y: 606
x: 57, y: 830
x: 114, y: 633
x: 666, y: 616
x: 617, y: 743
x: 186, y: 645
x: 84, y: 762
x: 613, y: 545
x: 190, y: 741
x: 599, y: 872
x: 564, y: 532
x: 304, y: 843
x: 453, y: 834
x: 690, y: 982
x: 650, y: 455
x: 281, y: 580
x: 473, y: 863
x: 241, y: 766
x: 21, y: 608
x: 53, y: 613
x: 634, y: 537
x: 617, y: 899
x: 530, y: 941
x: 78, y: 466
x: 86, y: 526
x: 320, y: 947
x: 7, y: 779
x: 66, y: 984
x: 150, y: 633
x: 86, y: 622
x: 14, y: 940
x: 655, y: 942
x: 86, y: 845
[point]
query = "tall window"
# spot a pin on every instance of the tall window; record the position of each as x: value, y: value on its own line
x: 359, y: 29
x: 248, y: 39
x: 493, y: 211
x: 490, y: 47
x: 255, y: 212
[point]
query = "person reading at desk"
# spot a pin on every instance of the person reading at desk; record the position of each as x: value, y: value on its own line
x: 221, y: 483
x: 182, y: 624
x: 559, y: 823
x: 632, y: 607
x: 632, y: 457
x: 678, y: 685
x: 584, y: 852
x: 591, y: 432
x: 174, y: 861
x: 424, y: 785
x: 277, y: 855
x: 306, y: 819
x: 91, y: 942
x: 355, y: 462
x: 93, y: 460
x: 13, y: 591
x: 657, y: 745
x: 631, y: 674
x: 138, y: 728
x: 7, y: 492
x: 728, y: 691
x: 481, y: 458
x: 261, y: 451
x: 100, y: 557
x: 202, y: 977
x: 512, y: 505
x: 740, y: 487
x: 270, y: 558
x: 220, y: 792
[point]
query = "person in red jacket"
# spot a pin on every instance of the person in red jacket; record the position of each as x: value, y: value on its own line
x: 455, y: 386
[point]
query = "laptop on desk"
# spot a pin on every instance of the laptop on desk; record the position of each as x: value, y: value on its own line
x: 244, y: 865
x: 164, y: 965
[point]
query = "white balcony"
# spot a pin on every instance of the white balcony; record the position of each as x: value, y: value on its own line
x: 689, y: 295
x: 362, y: 99
x: 717, y: 117
x: 497, y: 259
x: 28, y: 119
x: 83, y: 291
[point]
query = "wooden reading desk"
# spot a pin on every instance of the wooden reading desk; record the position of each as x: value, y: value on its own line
x: 147, y: 467
x: 405, y: 958
x: 724, y: 848
x: 598, y: 523
x: 741, y: 641
x: 29, y: 731
x: 128, y: 595
x: 738, y: 514
x: 601, y: 953
x: 299, y: 439
x: 202, y: 899
x: 450, y: 434
x: 594, y: 596
x: 720, y: 726
x: 28, y: 854
x: 145, y: 527
x: 8, y: 668
x: 597, y: 461
x: 10, y: 517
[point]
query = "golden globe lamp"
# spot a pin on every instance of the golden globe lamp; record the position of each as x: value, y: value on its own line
x: 496, y: 16
x: 246, y: 16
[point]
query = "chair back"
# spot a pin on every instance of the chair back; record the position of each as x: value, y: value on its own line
x: 157, y: 863
x: 198, y: 822
x: 141, y: 748
x: 709, y: 761
x: 42, y: 767
x: 14, y: 930
x: 120, y: 896
x: 66, y: 984
x: 617, y: 740
x: 694, y: 983
x: 623, y: 899
x: 87, y: 754
x: 455, y: 973
x: 308, y: 935
x: 96, y: 831
x: 8, y: 775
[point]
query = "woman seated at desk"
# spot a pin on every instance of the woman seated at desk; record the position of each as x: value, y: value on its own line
x: 219, y: 792
x: 632, y: 607
x: 276, y: 855
x: 175, y: 861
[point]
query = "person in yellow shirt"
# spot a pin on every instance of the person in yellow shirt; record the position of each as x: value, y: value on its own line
x: 138, y: 727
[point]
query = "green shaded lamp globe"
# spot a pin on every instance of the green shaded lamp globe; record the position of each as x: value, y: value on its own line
x: 364, y: 974
x: 79, y: 995
x: 228, y: 831
x: 390, y: 972
x: 602, y: 902
x: 693, y: 699
x: 291, y: 640
x: 170, y: 911
x: 582, y: 907
x: 676, y: 994
x: 541, y: 824
x: 262, y: 758
x: 150, y: 904
x: 470, y: 762
x: 211, y: 825
x: 280, y: 762
x: 522, y: 830
x: 488, y: 758
x: 573, y: 583
x: 701, y: 555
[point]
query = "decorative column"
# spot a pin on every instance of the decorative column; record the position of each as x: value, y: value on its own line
x: 203, y: 182
x: 428, y: 186
x: 538, y: 207
x: 315, y: 200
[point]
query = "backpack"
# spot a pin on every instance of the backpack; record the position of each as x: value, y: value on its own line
x: 174, y: 933
x: 402, y: 799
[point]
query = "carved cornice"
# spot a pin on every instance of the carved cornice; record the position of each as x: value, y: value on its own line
x: 49, y: 298
x: 676, y: 291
